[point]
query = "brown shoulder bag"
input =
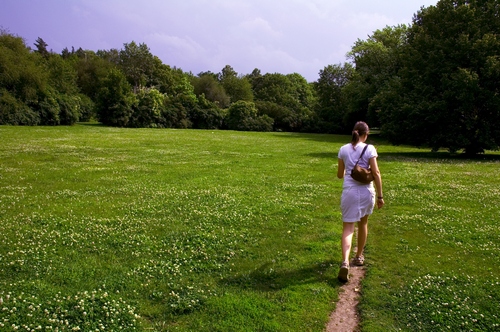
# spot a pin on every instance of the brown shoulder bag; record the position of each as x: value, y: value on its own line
x: 361, y: 174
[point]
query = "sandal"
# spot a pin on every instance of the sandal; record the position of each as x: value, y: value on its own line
x: 359, y: 260
x: 344, y: 272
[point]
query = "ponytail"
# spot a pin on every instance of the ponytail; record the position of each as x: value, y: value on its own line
x: 360, y: 129
x: 355, y: 137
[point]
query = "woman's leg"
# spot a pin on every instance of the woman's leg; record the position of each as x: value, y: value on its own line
x: 348, y: 230
x: 362, y: 235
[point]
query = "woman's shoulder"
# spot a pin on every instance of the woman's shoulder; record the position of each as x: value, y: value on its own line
x: 372, y: 150
x: 345, y: 147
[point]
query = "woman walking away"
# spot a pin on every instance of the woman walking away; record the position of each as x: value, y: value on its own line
x: 358, y: 199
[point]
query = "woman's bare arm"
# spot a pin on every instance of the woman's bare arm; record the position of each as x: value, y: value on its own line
x: 377, y: 178
x: 340, y: 169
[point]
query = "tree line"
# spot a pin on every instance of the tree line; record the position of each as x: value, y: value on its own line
x: 433, y: 83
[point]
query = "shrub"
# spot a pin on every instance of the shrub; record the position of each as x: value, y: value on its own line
x: 115, y: 100
x: 243, y: 116
x: 284, y: 118
x: 206, y: 115
x: 49, y: 110
x: 175, y: 111
x: 148, y: 111
x: 15, y: 112
x: 69, y: 108
x: 87, y: 108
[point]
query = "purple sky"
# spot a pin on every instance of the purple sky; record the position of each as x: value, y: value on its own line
x: 283, y: 36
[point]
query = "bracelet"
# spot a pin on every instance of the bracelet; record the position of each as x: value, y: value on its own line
x: 380, y: 197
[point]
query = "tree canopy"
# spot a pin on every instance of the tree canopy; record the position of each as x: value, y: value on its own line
x: 446, y: 93
x: 332, y: 97
x: 432, y: 83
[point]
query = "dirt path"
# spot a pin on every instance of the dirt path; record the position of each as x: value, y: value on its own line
x: 345, y: 317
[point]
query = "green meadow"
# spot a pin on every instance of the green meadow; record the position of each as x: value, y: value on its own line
x: 109, y: 229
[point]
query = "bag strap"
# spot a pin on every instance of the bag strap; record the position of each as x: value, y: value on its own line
x: 362, y: 153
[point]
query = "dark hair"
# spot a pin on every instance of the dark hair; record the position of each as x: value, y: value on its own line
x: 360, y: 129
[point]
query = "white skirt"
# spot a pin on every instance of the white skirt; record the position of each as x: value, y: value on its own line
x: 357, y: 202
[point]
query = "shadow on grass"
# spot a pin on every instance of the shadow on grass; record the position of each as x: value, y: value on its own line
x: 375, y: 139
x: 327, y: 155
x: 441, y: 156
x: 91, y: 124
x: 419, y: 156
x: 266, y: 279
x: 314, y: 137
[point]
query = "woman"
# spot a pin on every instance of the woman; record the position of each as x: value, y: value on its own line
x: 358, y: 199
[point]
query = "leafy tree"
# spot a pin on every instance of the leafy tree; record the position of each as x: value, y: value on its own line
x: 65, y: 53
x: 111, y: 56
x: 23, y: 82
x: 163, y: 78
x: 275, y: 88
x: 69, y: 108
x: 302, y: 91
x: 41, y: 47
x: 36, y: 87
x: 148, y: 109
x: 208, y: 72
x: 237, y: 88
x: 332, y: 99
x: 64, y: 90
x: 137, y: 63
x: 49, y: 109
x: 227, y: 72
x: 291, y: 91
x: 176, y: 111
x: 62, y: 75
x: 206, y: 115
x: 20, y: 71
x: 281, y: 115
x: 15, y: 112
x: 447, y: 94
x: 91, y: 70
x: 255, y: 74
x: 377, y: 61
x: 115, y: 101
x: 181, y: 85
x: 210, y: 87
x: 87, y: 108
x: 243, y: 115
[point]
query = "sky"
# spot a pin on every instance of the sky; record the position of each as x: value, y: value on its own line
x: 274, y: 36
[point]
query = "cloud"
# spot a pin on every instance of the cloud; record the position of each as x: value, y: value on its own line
x: 361, y: 25
x: 260, y: 27
x: 81, y: 12
x: 182, y: 46
x: 267, y: 59
x: 322, y: 9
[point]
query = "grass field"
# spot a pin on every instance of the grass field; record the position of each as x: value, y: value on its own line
x: 106, y: 229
